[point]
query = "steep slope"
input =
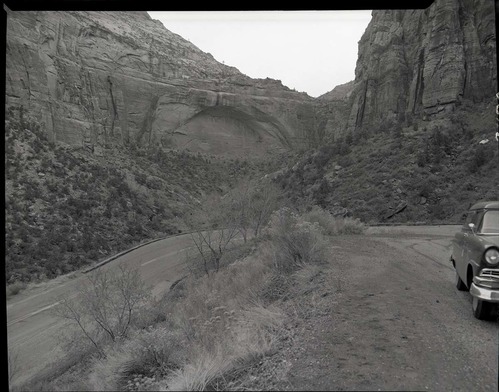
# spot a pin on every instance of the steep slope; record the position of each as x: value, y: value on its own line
x: 66, y: 208
x: 103, y: 79
x: 414, y: 138
x: 334, y: 108
x: 417, y: 64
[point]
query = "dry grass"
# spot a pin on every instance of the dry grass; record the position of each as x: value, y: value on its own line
x: 217, y: 326
x: 226, y: 317
x: 215, y: 366
x: 225, y: 323
x: 155, y: 351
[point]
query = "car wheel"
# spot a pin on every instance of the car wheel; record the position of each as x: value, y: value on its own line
x: 481, y: 309
x: 460, y: 284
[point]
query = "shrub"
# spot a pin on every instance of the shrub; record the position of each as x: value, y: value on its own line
x: 478, y: 159
x: 350, y: 225
x: 148, y: 352
x: 15, y: 288
x: 160, y: 348
x: 106, y: 306
x: 331, y: 225
x: 141, y: 178
x: 297, y: 241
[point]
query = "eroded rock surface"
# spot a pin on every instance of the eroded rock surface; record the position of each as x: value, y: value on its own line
x: 422, y: 63
x: 98, y: 79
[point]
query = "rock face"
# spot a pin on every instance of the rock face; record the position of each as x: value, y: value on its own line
x: 102, y: 79
x: 334, y: 108
x: 423, y: 63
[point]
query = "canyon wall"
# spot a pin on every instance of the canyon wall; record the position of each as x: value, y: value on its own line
x: 422, y: 64
x: 104, y: 79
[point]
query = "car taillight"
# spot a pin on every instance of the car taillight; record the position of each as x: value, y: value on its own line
x: 492, y: 256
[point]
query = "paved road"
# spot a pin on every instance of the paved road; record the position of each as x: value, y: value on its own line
x: 414, y: 281
x: 33, y: 331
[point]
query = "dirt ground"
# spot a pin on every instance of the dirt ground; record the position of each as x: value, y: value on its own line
x: 384, y: 315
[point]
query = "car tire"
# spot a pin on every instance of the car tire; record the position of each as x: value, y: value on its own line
x: 482, y: 310
x: 460, y: 284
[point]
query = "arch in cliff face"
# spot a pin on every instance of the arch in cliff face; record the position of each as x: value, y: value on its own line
x: 223, y: 130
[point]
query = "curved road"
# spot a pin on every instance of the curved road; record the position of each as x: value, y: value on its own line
x: 33, y: 331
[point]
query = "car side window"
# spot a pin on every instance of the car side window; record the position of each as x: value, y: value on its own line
x: 489, y: 222
x: 470, y: 218
x: 478, y: 217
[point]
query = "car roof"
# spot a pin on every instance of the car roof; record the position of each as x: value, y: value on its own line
x: 485, y: 204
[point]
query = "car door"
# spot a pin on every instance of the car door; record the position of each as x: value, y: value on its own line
x: 473, y: 251
x: 460, y: 252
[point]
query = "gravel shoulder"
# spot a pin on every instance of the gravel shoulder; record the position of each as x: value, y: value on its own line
x: 381, y: 316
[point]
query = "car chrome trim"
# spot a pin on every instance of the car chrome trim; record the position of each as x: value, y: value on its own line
x: 484, y: 294
x: 490, y: 272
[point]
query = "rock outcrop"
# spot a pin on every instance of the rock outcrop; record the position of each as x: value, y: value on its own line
x: 333, y: 109
x: 102, y: 79
x: 416, y: 64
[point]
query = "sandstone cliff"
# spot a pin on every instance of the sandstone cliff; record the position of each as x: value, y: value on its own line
x: 98, y: 79
x: 333, y: 109
x: 421, y: 64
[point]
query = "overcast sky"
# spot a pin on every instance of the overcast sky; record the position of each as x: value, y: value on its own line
x: 310, y: 51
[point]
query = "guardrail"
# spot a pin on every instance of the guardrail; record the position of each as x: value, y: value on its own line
x: 103, y: 262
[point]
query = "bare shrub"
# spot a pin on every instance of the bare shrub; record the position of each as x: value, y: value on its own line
x: 250, y: 204
x: 104, y: 307
x: 296, y: 241
x: 213, y: 233
x: 217, y: 221
x: 211, y: 245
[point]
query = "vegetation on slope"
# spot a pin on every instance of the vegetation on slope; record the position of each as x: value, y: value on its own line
x: 66, y: 208
x: 428, y: 172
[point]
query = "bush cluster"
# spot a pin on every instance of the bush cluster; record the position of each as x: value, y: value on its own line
x: 208, y: 329
x: 331, y: 225
x: 297, y: 242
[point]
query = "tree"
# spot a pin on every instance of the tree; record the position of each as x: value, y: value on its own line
x: 105, y: 305
x: 250, y: 204
x: 218, y: 220
x: 212, y: 231
x: 265, y: 200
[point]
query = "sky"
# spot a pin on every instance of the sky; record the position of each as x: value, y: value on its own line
x: 309, y: 51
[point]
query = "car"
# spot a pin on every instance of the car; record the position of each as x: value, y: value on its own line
x: 475, y: 257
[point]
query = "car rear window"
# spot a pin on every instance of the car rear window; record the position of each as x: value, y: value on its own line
x: 490, y: 222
